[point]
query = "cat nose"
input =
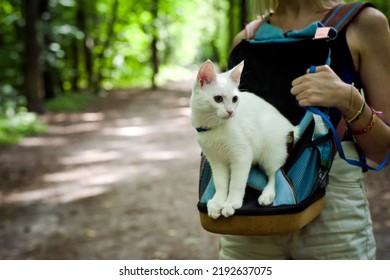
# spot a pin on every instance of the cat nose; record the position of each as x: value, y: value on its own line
x: 230, y: 112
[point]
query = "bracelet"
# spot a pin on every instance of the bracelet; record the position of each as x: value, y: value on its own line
x: 367, y: 128
x: 351, y: 97
x: 358, y: 113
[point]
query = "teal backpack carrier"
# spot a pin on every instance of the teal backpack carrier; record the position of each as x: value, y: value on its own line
x: 272, y: 61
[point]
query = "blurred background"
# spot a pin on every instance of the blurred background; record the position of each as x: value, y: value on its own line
x: 97, y: 156
x: 50, y: 48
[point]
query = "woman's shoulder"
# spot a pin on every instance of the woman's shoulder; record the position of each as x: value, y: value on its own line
x: 368, y: 31
x: 249, y: 31
x: 239, y: 37
x: 370, y: 21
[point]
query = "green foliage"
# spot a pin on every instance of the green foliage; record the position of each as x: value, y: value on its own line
x: 188, y: 32
x: 93, y: 44
x: 21, y: 124
x: 88, y: 45
x: 10, y: 56
x: 382, y: 5
x: 70, y: 102
x: 10, y: 100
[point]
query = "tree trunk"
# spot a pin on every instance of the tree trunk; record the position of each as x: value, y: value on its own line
x: 243, y: 14
x: 154, y: 50
x: 88, y: 46
x: 75, y: 64
x: 32, y: 77
x: 231, y: 23
x: 81, y: 22
x: 106, y: 45
x: 48, y: 71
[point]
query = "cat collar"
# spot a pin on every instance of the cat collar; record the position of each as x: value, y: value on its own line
x: 201, y: 129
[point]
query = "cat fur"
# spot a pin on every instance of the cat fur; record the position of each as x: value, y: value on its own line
x: 236, y: 135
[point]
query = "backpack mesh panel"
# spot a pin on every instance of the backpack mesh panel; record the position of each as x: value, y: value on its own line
x: 301, y: 173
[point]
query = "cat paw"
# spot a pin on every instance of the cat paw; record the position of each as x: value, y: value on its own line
x: 214, y: 209
x: 266, y: 198
x: 230, y: 208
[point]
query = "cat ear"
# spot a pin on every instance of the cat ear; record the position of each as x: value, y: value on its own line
x: 235, y: 74
x: 206, y: 74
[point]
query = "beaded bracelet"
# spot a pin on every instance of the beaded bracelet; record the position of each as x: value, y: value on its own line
x: 366, y: 129
x: 374, y: 115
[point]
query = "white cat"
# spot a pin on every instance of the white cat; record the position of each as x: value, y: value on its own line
x: 235, y: 131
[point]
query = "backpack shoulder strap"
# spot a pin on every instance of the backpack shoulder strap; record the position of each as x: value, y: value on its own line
x: 337, y: 17
x: 340, y: 15
x: 251, y: 28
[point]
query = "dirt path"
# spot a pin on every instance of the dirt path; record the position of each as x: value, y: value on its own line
x: 118, y: 182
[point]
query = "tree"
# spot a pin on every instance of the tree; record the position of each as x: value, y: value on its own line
x: 47, y: 75
x: 154, y: 50
x: 92, y: 44
x: 107, y: 44
x: 237, y: 15
x: 88, y: 41
x: 32, y: 85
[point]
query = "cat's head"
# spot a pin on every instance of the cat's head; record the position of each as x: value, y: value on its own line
x: 216, y: 95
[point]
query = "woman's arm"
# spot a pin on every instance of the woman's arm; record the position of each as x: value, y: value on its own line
x: 239, y: 37
x: 368, y: 37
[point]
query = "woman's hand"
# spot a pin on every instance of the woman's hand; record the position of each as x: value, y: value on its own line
x: 322, y: 88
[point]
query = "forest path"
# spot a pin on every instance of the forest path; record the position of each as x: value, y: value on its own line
x: 119, y: 182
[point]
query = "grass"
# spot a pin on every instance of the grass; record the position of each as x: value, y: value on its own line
x: 70, y: 102
x: 22, y: 124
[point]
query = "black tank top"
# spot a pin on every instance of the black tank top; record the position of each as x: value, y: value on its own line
x: 341, y: 59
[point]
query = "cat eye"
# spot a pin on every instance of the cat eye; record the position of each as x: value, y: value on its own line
x: 235, y: 99
x: 218, y: 98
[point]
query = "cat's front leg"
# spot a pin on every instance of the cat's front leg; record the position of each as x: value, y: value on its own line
x: 267, y: 197
x: 239, y: 176
x: 221, y: 181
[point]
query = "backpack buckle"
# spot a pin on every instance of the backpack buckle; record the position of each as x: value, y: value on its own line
x: 325, y: 33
